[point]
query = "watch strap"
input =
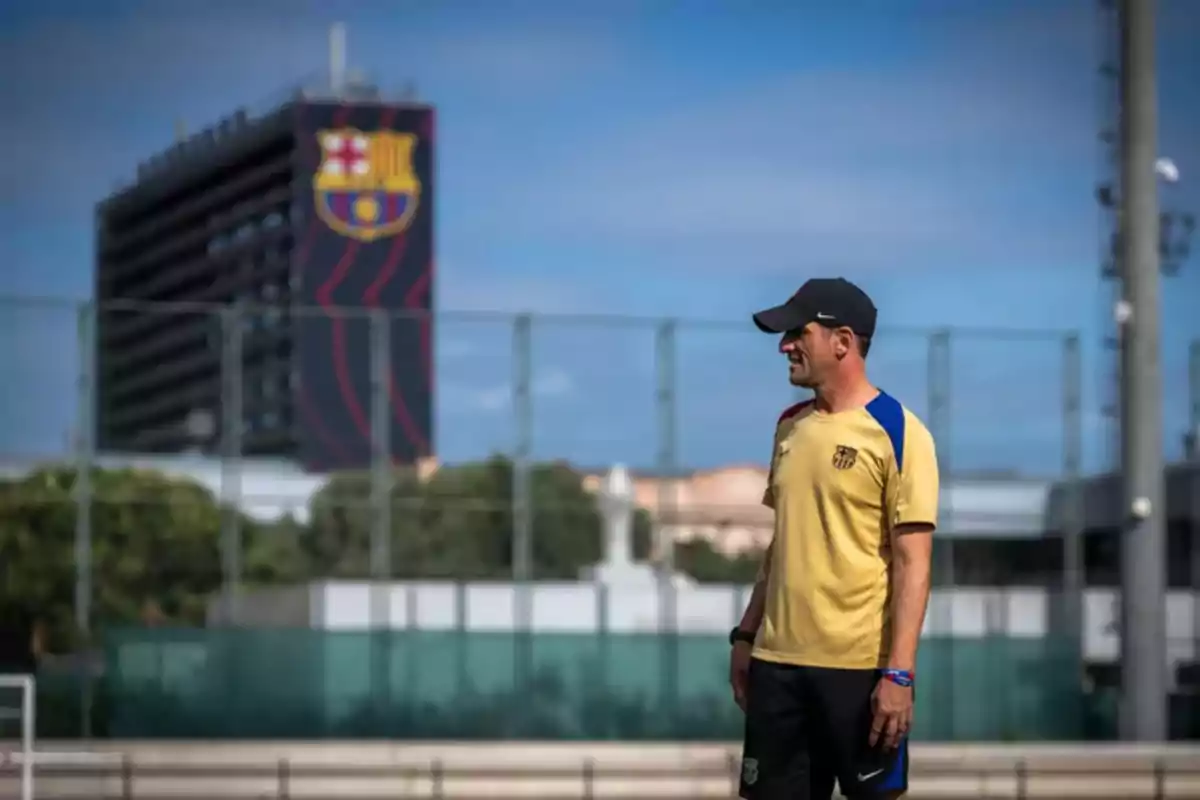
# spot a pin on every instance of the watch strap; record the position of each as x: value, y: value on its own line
x: 738, y: 635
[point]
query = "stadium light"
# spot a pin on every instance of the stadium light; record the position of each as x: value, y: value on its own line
x: 1175, y: 226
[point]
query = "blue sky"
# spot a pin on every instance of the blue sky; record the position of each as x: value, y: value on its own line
x: 694, y: 160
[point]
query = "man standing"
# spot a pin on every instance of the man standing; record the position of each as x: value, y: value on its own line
x: 823, y: 661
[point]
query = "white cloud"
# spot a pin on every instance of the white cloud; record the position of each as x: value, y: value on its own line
x: 550, y: 383
x: 553, y: 382
x: 455, y: 349
x: 457, y: 397
x: 494, y: 398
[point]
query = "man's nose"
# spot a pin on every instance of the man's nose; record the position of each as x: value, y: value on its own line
x: 787, y: 344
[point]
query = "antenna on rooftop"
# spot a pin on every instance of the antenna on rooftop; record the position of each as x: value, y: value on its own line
x: 337, y: 57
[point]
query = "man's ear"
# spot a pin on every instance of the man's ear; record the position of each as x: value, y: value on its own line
x: 842, y: 343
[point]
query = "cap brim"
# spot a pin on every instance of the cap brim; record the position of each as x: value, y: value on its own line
x: 780, y: 319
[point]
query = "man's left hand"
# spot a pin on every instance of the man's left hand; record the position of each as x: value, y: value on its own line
x: 892, y: 705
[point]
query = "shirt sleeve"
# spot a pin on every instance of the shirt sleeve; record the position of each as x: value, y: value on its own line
x: 914, y: 497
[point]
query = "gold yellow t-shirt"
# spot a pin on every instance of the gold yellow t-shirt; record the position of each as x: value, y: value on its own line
x: 839, y: 483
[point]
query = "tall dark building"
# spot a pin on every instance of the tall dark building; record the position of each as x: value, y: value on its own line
x: 313, y: 207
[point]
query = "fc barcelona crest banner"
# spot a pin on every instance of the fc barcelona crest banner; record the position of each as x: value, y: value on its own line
x: 365, y: 242
x: 365, y: 187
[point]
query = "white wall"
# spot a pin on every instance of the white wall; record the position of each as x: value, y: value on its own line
x: 581, y: 607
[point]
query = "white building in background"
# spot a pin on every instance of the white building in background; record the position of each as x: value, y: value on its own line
x: 724, y: 506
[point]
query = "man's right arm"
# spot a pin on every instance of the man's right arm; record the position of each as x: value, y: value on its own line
x: 752, y: 618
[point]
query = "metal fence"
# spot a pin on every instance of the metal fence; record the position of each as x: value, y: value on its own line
x: 221, y: 536
x: 583, y: 771
x: 570, y: 771
x: 691, y: 393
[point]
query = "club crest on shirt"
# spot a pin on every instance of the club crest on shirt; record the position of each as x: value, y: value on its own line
x: 844, y: 457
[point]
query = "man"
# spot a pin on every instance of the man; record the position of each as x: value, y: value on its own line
x: 823, y: 661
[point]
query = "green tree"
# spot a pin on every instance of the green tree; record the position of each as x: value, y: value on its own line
x: 154, y: 553
x: 459, y: 524
x: 699, y: 559
x: 273, y: 552
x: 336, y: 543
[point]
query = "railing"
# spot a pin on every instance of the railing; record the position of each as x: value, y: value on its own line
x: 574, y: 772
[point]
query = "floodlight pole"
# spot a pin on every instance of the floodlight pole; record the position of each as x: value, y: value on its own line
x: 1143, y: 714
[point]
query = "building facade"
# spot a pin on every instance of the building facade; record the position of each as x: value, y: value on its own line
x: 247, y: 275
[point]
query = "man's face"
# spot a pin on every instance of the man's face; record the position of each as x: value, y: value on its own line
x: 811, y: 355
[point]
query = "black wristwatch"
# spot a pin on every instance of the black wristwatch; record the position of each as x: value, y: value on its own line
x: 738, y: 635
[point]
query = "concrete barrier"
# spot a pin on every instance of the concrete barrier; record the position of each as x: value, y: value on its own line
x: 561, y: 771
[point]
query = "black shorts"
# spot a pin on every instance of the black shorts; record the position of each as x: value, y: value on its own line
x: 809, y: 726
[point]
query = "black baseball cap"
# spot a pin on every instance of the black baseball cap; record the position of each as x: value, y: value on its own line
x: 832, y: 302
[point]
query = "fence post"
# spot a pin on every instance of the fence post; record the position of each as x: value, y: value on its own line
x: 664, y: 546
x: 283, y: 779
x: 603, y: 684
x: 522, y: 400
x: 667, y: 407
x: 85, y: 456
x: 127, y: 776
x: 1074, y: 576
x: 589, y: 778
x: 381, y: 517
x: 437, y: 777
x: 522, y: 514
x: 381, y: 457
x: 1194, y: 485
x: 938, y: 374
x: 233, y: 422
